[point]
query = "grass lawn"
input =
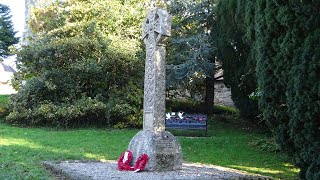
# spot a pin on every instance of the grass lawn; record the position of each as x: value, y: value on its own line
x: 23, y: 149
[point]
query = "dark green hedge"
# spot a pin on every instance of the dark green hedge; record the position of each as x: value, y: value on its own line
x: 288, y: 67
x: 283, y: 39
x: 235, y: 54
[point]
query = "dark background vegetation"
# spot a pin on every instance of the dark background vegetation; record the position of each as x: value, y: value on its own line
x: 276, y: 59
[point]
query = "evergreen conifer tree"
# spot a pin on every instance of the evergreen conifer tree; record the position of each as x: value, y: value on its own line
x: 7, y: 33
x: 232, y: 24
x: 191, y: 51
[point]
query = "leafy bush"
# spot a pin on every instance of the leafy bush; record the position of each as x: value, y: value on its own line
x: 287, y: 54
x: 3, y: 105
x: 80, y: 68
x: 81, y: 112
x: 265, y: 144
x: 3, y: 110
x: 188, y: 106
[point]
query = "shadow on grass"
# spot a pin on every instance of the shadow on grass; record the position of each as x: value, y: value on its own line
x: 230, y: 147
x: 23, y: 162
x: 23, y: 149
x: 188, y: 133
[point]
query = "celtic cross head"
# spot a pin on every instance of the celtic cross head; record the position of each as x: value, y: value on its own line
x: 156, y: 27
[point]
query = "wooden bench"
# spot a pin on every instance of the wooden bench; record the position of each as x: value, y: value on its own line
x: 178, y: 120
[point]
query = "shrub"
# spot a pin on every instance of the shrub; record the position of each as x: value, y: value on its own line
x: 81, y: 112
x: 80, y: 68
x: 59, y: 84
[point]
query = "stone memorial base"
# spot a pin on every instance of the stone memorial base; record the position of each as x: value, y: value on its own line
x: 163, y: 149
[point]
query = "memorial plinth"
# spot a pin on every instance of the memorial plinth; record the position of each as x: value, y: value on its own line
x: 163, y: 149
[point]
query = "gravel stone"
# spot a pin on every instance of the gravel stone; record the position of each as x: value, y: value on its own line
x: 97, y: 170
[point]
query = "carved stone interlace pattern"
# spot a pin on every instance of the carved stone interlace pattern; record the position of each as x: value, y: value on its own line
x: 150, y: 41
x: 154, y: 32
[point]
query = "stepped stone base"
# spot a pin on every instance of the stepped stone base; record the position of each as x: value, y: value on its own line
x: 163, y: 149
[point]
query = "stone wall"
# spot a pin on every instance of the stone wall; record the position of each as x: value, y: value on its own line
x: 222, y: 94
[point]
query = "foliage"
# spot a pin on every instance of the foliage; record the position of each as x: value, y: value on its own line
x: 225, y: 109
x: 3, y: 105
x: 190, y: 106
x: 265, y: 144
x: 3, y: 99
x: 185, y: 105
x: 82, y: 65
x: 303, y: 91
x: 190, y: 49
x: 234, y: 52
x: 286, y: 58
x: 283, y: 46
x: 23, y: 150
x: 7, y: 33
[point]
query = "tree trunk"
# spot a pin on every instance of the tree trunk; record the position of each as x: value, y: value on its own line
x: 209, y: 100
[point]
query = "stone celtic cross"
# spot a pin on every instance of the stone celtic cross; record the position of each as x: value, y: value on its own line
x: 155, y: 29
x: 161, y: 146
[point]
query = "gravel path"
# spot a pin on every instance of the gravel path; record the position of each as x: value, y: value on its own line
x: 81, y: 170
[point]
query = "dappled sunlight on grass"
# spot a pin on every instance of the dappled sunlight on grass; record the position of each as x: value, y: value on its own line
x: 292, y: 168
x: 19, y: 142
x: 30, y: 145
x: 23, y: 149
x: 256, y: 169
x: 282, y: 173
x: 94, y: 156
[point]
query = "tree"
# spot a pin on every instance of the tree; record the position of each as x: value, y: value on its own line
x: 190, y: 52
x: 287, y: 51
x: 7, y: 33
x: 82, y: 65
x: 232, y: 30
x: 279, y: 40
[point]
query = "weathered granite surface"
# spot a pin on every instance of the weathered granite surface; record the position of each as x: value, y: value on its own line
x: 163, y: 149
x: 155, y: 29
x: 77, y: 170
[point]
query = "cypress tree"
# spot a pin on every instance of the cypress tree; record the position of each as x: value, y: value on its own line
x: 287, y: 54
x: 283, y: 41
x: 303, y: 90
x: 234, y: 51
x: 7, y: 33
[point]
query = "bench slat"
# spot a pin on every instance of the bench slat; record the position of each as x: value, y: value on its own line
x: 188, y: 122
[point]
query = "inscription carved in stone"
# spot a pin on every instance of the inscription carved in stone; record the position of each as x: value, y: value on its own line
x: 165, y: 146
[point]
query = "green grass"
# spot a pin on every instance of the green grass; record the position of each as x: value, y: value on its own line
x: 232, y: 147
x: 3, y: 99
x: 23, y: 149
x: 225, y: 109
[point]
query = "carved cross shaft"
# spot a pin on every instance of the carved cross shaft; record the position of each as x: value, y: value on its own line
x: 155, y: 29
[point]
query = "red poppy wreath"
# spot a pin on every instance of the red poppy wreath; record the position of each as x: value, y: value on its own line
x: 126, y: 158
